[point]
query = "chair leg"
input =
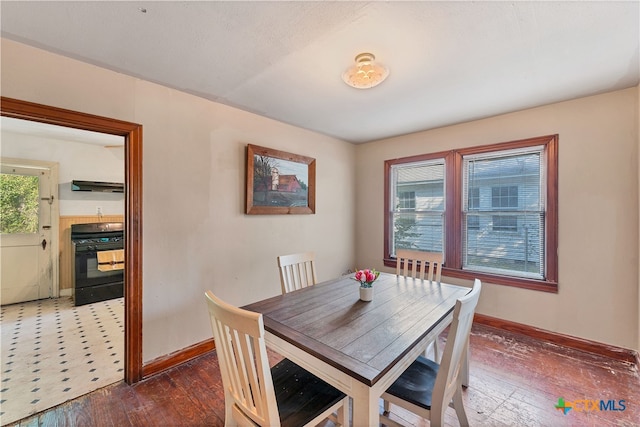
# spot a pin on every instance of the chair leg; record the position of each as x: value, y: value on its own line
x: 434, y: 348
x: 464, y: 368
x: 341, y: 416
x: 239, y: 418
x: 427, y: 351
x: 387, y: 406
x: 229, y: 415
x: 343, y: 412
x: 459, y: 407
x: 436, y: 418
x: 438, y: 409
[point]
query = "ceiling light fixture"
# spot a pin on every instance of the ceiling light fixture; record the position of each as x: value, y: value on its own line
x: 365, y: 73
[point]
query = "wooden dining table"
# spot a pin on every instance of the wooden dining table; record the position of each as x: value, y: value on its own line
x: 359, y: 347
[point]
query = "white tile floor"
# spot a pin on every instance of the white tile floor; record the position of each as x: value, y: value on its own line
x: 52, y: 352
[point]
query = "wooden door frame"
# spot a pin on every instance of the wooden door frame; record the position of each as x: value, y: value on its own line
x: 132, y: 132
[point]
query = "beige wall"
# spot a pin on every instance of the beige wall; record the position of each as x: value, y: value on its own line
x: 196, y: 236
x: 598, y: 212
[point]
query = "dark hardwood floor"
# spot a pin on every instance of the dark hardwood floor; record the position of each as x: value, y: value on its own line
x: 515, y: 381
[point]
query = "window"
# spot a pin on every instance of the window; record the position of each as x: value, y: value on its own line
x: 513, y: 244
x: 492, y: 211
x: 19, y: 204
x: 504, y: 196
x: 473, y: 222
x: 505, y: 223
x: 407, y: 200
x: 417, y: 219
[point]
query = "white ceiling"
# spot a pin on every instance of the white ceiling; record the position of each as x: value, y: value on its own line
x: 45, y: 130
x: 449, y: 61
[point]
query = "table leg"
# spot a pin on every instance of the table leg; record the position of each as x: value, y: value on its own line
x: 365, y: 407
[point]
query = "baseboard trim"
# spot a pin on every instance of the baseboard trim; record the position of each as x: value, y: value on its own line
x: 618, y: 353
x: 171, y: 360
x: 174, y: 359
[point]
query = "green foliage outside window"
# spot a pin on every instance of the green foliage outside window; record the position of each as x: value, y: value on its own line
x: 18, y: 204
x: 404, y: 232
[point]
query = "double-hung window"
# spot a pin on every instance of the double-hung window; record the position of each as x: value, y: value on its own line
x: 491, y: 210
x: 417, y: 217
x: 503, y: 191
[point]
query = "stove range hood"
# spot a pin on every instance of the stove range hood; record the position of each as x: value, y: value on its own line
x: 97, y: 186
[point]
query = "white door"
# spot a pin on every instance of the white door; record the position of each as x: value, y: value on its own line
x: 26, y: 267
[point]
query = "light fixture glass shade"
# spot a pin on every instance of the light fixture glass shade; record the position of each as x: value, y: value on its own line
x: 365, y: 73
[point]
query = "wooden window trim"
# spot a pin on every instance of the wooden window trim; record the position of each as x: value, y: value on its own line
x: 453, y: 213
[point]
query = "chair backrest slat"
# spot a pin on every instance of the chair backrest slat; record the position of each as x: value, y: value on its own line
x: 418, y: 260
x: 297, y: 271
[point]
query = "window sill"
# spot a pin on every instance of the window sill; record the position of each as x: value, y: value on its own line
x: 516, y: 282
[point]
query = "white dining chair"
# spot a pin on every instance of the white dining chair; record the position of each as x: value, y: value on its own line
x: 297, y: 271
x: 254, y: 394
x: 427, y: 388
x: 421, y: 265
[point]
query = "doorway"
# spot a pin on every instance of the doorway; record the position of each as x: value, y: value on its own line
x: 132, y: 133
x: 28, y: 213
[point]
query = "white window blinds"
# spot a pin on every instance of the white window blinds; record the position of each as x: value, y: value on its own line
x: 417, y: 206
x: 504, y: 212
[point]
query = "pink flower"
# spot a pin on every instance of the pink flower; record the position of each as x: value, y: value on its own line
x: 366, y: 277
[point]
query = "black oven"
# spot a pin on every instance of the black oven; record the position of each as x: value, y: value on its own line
x: 91, y: 283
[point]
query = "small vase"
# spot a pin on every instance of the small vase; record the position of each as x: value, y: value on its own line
x: 366, y: 294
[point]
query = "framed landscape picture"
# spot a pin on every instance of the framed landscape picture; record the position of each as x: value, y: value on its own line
x: 279, y: 182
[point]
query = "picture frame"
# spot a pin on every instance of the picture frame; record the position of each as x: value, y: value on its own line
x: 279, y: 183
